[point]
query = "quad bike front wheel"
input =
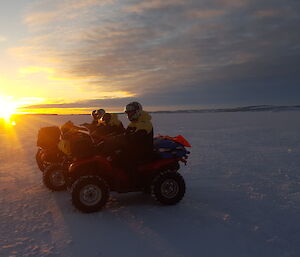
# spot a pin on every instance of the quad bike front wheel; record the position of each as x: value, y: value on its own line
x: 168, y: 187
x: 89, y: 193
x: 54, y: 177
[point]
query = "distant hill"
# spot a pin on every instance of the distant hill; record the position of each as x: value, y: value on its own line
x: 254, y: 108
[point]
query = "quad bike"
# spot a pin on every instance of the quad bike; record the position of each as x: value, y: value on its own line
x: 48, y: 152
x: 90, y: 180
x: 52, y: 162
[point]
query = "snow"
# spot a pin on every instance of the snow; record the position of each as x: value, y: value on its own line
x: 243, y: 194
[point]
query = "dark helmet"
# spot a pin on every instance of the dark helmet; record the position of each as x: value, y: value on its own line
x: 97, y: 114
x: 106, y: 118
x: 93, y: 114
x: 133, y: 110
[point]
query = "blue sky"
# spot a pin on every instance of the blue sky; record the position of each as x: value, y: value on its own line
x: 165, y: 53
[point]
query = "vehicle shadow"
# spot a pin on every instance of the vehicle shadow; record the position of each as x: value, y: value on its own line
x: 209, y: 221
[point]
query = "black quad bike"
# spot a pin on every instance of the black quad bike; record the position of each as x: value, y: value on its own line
x: 50, y: 160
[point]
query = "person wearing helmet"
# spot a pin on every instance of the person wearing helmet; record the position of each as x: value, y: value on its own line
x: 112, y: 123
x: 99, y: 114
x: 136, y: 144
x: 96, y: 116
x: 139, y: 132
x: 108, y: 126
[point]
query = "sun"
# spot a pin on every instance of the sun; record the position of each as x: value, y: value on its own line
x: 7, y: 108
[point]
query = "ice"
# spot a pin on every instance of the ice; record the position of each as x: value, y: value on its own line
x: 243, y: 194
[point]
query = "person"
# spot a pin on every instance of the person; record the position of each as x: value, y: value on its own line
x: 96, y: 117
x: 68, y: 129
x: 109, y: 125
x: 113, y: 124
x: 136, y: 144
x: 139, y: 133
x: 68, y: 132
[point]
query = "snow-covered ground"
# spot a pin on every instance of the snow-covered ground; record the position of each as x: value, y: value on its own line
x: 243, y: 195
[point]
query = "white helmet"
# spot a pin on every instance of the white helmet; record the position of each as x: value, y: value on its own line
x: 133, y: 110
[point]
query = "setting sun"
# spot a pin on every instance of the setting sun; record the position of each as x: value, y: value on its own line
x: 7, y: 108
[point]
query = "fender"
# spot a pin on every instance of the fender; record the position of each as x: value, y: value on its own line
x: 159, y: 164
x: 99, y: 160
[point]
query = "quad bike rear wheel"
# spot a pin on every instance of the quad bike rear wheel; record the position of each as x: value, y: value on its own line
x: 39, y: 161
x: 54, y: 177
x: 89, y: 193
x: 168, y: 187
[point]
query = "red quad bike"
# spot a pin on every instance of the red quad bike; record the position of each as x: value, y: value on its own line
x: 91, y: 179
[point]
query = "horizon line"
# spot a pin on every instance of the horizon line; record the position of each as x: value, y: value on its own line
x: 205, y: 110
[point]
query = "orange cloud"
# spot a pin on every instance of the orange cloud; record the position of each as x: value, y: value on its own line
x: 204, y: 14
x: 64, y: 10
x: 116, y: 94
x: 32, y: 69
x: 37, y: 55
x: 267, y: 13
x: 88, y: 3
x: 153, y: 4
x: 41, y: 17
x: 233, y: 3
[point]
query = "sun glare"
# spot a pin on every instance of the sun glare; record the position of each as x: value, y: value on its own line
x: 7, y: 108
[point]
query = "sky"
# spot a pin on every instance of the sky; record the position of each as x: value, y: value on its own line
x: 77, y: 55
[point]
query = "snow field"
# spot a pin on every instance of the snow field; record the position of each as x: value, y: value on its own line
x: 243, y: 194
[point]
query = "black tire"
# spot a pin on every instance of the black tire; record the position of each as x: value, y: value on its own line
x: 168, y: 187
x: 54, y: 177
x: 89, y: 193
x: 39, y: 161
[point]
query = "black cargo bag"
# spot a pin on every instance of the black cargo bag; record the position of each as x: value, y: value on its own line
x: 48, y: 137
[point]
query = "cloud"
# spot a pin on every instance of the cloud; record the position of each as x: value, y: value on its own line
x: 233, y: 3
x: 32, y: 69
x: 204, y: 14
x: 268, y: 13
x: 46, y: 12
x: 143, y: 6
x: 3, y: 39
x: 171, y: 50
x: 111, y: 103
